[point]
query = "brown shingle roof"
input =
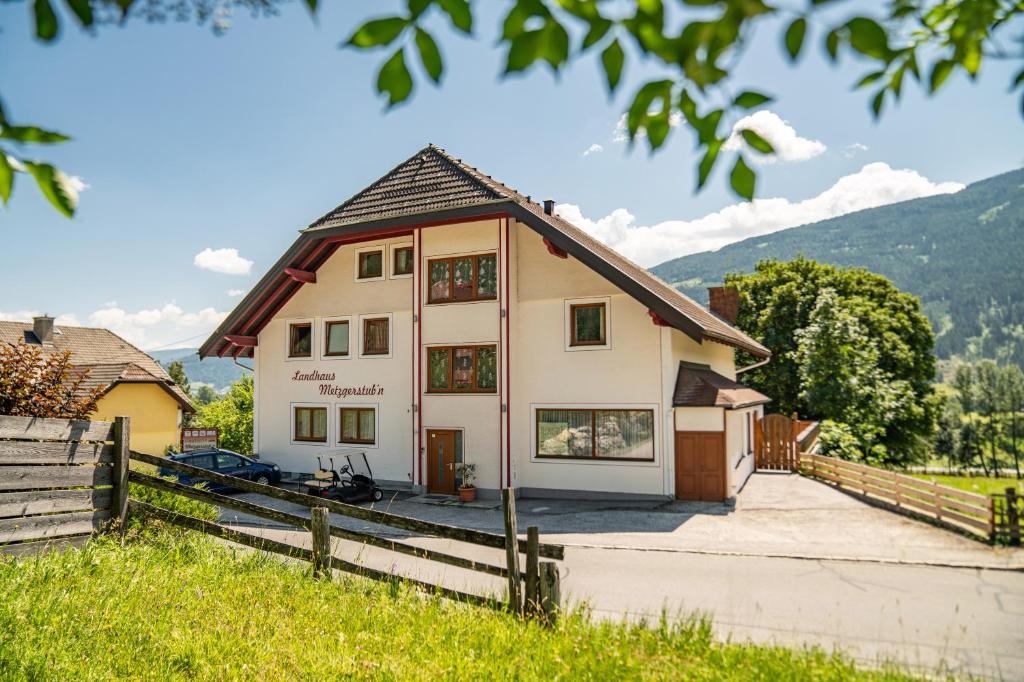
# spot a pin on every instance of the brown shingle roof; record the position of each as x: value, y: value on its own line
x: 700, y: 386
x: 109, y: 359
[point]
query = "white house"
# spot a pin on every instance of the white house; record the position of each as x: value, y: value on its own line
x: 439, y: 317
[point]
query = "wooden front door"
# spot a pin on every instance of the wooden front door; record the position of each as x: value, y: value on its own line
x: 700, y: 466
x: 441, y: 462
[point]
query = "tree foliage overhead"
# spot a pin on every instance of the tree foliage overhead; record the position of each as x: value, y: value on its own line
x: 694, y: 46
x: 36, y: 385
x: 826, y: 326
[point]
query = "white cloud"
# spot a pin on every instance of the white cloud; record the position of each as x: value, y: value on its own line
x: 593, y: 149
x: 235, y: 292
x: 66, y: 319
x: 788, y: 145
x: 851, y: 150
x: 157, y: 327
x: 226, y: 261
x: 621, y: 132
x: 875, y: 184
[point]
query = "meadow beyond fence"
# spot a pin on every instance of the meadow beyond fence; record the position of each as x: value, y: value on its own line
x: 62, y: 480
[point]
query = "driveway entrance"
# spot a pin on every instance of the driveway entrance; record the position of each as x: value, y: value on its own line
x: 700, y: 466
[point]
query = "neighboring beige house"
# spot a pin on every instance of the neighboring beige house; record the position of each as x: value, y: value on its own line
x: 439, y: 317
x: 134, y: 384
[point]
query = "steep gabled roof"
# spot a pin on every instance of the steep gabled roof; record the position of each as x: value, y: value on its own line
x: 700, y: 386
x: 434, y: 187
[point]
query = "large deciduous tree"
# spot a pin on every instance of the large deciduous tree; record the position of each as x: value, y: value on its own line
x: 232, y: 415
x: 34, y: 384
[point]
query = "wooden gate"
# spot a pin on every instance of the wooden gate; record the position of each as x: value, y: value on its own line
x: 775, y: 443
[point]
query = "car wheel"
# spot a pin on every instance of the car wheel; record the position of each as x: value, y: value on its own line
x: 378, y: 494
x: 262, y: 479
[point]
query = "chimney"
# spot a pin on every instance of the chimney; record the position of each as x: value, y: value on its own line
x: 549, y: 206
x: 42, y: 327
x: 724, y: 302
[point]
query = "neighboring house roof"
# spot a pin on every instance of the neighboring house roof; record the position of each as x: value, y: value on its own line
x: 700, y: 386
x: 432, y: 187
x: 109, y: 359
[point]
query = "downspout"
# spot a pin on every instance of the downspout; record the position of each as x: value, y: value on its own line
x: 508, y: 365
x: 235, y: 360
x: 762, y: 363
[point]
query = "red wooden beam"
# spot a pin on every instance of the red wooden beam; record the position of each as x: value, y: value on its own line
x: 304, y: 276
x: 554, y: 250
x: 242, y: 341
x: 657, y: 320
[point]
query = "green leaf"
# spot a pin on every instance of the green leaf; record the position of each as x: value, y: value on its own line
x: 6, y: 177
x: 972, y: 59
x: 612, y: 58
x: 1016, y: 84
x: 754, y: 139
x: 750, y: 99
x: 523, y: 51
x: 869, y: 79
x: 876, y: 103
x: 832, y: 44
x: 598, y: 29
x: 82, y: 9
x: 795, y: 37
x: 708, y: 162
x: 31, y: 134
x: 554, y: 44
x: 378, y: 32
x: 311, y: 5
x: 46, y: 20
x: 940, y: 72
x: 394, y: 79
x: 459, y: 12
x: 55, y: 187
x: 429, y: 54
x: 742, y: 179
x: 3, y: 116
x: 868, y: 37
x: 418, y: 7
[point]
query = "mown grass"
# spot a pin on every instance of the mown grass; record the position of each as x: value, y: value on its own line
x: 983, y: 485
x: 182, y: 606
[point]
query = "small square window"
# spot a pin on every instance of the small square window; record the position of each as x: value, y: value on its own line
x: 588, y: 324
x: 311, y: 424
x: 336, y: 338
x: 375, y: 336
x: 300, y: 340
x: 371, y: 264
x: 403, y: 262
x: 358, y: 425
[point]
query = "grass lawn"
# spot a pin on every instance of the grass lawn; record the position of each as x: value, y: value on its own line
x: 983, y: 485
x: 181, y: 606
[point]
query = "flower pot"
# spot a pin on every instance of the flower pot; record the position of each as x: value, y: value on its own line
x: 467, y: 494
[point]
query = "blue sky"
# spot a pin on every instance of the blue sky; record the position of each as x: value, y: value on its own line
x: 190, y: 142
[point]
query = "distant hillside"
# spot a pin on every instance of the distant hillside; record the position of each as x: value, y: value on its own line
x: 962, y: 254
x: 218, y: 372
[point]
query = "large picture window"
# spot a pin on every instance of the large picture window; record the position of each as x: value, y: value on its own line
x: 358, y: 425
x: 300, y: 340
x: 376, y: 336
x: 462, y: 369
x: 311, y: 424
x: 463, y: 278
x: 595, y: 434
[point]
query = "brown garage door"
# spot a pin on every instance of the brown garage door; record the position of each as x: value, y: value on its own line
x: 700, y: 466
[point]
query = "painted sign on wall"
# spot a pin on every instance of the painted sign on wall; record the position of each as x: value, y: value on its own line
x: 324, y: 379
x: 199, y: 439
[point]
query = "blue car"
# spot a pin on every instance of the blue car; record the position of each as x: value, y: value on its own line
x: 224, y: 462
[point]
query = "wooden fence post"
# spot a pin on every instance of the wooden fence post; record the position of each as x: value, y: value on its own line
x: 550, y: 591
x: 532, y: 597
x: 1012, y: 517
x: 321, y: 529
x: 508, y: 503
x: 119, y: 484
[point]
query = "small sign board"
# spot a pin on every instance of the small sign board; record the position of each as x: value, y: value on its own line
x: 199, y: 439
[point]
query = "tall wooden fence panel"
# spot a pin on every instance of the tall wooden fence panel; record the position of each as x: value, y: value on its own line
x: 1008, y: 517
x: 55, y: 480
x: 776, y: 446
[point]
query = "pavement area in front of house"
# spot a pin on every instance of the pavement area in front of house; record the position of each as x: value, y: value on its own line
x: 793, y: 561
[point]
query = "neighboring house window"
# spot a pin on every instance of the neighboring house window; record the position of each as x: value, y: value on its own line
x: 402, y: 258
x: 375, y: 336
x: 300, y: 340
x: 462, y: 369
x: 311, y: 424
x: 464, y: 278
x: 371, y: 264
x: 336, y: 338
x: 358, y: 425
x: 595, y: 434
x: 588, y: 323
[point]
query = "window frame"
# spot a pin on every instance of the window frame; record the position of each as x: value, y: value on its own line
x: 308, y: 322
x: 366, y: 250
x: 357, y: 408
x: 474, y: 390
x: 393, y: 253
x: 301, y: 440
x: 370, y: 317
x: 593, y: 410
x: 570, y: 328
x: 327, y: 322
x: 576, y: 342
x: 476, y: 297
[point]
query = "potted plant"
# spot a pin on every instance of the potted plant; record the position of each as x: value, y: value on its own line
x: 467, y: 489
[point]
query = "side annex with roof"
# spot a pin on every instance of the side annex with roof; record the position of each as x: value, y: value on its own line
x: 439, y: 318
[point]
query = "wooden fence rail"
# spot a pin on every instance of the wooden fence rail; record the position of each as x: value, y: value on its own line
x: 948, y: 506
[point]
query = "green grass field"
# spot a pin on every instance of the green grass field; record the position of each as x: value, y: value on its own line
x: 983, y: 485
x: 177, y: 606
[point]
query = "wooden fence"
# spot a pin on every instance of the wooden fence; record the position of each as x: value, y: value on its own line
x: 1007, y: 517
x: 775, y: 443
x: 57, y: 480
x: 948, y: 506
